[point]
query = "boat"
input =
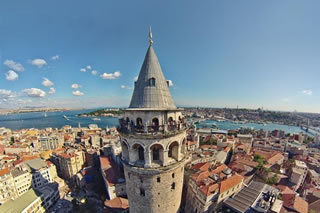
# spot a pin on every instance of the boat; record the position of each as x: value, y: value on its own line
x: 96, y: 119
x: 214, y: 126
x: 45, y: 115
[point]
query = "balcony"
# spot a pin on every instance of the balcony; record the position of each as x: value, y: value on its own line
x: 162, y: 131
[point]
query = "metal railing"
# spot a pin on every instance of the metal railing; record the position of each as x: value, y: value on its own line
x: 128, y: 128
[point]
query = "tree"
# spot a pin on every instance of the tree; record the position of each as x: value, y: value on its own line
x: 260, y: 160
x: 273, y: 180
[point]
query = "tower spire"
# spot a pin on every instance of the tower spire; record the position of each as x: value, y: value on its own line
x: 150, y: 36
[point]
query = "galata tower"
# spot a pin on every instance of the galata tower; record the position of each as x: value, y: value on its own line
x: 153, y: 139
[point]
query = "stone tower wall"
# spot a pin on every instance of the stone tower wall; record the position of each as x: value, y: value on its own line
x: 159, y: 197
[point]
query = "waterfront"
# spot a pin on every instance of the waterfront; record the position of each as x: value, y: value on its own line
x: 228, y: 125
x: 42, y: 120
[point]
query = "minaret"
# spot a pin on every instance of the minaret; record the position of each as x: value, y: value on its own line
x: 153, y: 139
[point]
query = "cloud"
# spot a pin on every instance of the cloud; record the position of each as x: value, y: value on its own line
x: 7, y: 93
x: 52, y: 91
x: 47, y: 83
x: 38, y: 62
x: 125, y: 87
x: 89, y: 67
x: 56, y: 57
x: 77, y: 93
x: 111, y: 76
x: 21, y: 101
x: 285, y: 99
x: 83, y: 70
x: 34, y: 92
x: 307, y: 92
x: 12, y: 75
x: 75, y: 86
x: 94, y: 72
x: 14, y: 65
x: 170, y: 83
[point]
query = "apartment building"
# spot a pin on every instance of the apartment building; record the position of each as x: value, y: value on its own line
x: 7, y: 187
x: 22, y: 179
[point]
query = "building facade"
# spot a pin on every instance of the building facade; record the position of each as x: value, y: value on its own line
x: 50, y: 142
x: 153, y: 140
x: 22, y: 179
x: 7, y: 187
x: 42, y: 172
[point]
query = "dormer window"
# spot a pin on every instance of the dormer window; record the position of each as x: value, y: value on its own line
x: 152, y: 82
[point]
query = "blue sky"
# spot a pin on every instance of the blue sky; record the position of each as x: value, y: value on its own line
x: 217, y: 53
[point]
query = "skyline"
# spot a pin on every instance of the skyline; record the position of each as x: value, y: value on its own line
x: 217, y: 54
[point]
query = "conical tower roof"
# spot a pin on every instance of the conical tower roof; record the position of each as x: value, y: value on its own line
x: 151, y: 90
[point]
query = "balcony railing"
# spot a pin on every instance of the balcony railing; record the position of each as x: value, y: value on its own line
x: 128, y: 128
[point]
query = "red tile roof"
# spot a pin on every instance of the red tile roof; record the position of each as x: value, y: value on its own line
x: 117, y: 203
x: 201, y: 166
x: 4, y: 172
x: 111, y: 171
x: 292, y: 200
x: 230, y: 182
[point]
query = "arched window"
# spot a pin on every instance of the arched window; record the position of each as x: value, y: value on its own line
x: 139, y: 122
x: 155, y: 124
x: 139, y: 152
x: 156, y: 153
x: 174, y: 150
x: 152, y: 82
x: 125, y: 151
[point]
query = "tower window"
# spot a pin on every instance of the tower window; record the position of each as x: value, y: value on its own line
x: 172, y: 175
x: 173, y: 185
x: 152, y: 82
x: 158, y: 179
x: 141, y: 181
x: 142, y: 192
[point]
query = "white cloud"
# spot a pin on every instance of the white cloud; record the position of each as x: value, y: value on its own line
x: 22, y: 101
x: 14, y: 65
x: 12, y: 75
x: 34, y: 92
x: 111, y: 76
x: 7, y: 93
x: 94, y: 72
x: 83, y: 70
x: 56, y: 57
x: 77, y: 93
x: 307, y: 92
x: 170, y: 83
x: 75, y: 86
x: 47, y: 83
x: 125, y: 87
x: 52, y: 91
x: 38, y: 62
x: 89, y: 67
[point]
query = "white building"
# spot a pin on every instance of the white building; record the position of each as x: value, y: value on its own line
x: 28, y: 202
x: 22, y: 179
x: 7, y: 188
x: 42, y: 173
x: 50, y: 142
x: 299, y: 173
